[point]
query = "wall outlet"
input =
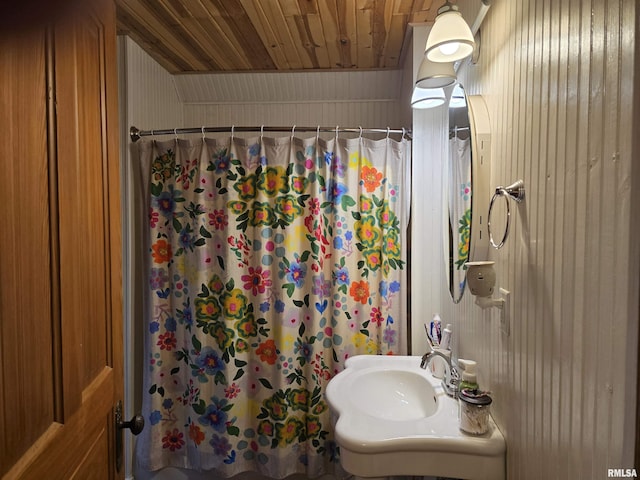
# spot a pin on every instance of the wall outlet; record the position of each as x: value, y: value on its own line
x: 505, y: 318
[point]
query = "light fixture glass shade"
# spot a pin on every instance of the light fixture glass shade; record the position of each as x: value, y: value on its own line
x: 450, y: 38
x: 435, y: 75
x: 427, y: 97
x: 458, y: 98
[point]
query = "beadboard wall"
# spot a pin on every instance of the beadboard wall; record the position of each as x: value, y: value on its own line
x: 374, y: 111
x: 558, y: 81
x: 148, y: 100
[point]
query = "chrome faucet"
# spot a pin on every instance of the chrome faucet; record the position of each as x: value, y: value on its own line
x: 451, y: 380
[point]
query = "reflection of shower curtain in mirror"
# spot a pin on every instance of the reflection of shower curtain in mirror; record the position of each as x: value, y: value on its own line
x: 270, y: 262
x: 459, y: 206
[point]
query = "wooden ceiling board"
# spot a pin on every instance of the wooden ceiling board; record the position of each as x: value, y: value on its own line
x: 272, y: 11
x: 199, y: 36
x: 239, y: 28
x: 266, y: 32
x: 149, y: 40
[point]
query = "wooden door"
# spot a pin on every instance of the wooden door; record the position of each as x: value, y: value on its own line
x: 60, y: 249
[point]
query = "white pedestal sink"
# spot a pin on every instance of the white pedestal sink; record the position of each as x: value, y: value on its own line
x: 393, y: 418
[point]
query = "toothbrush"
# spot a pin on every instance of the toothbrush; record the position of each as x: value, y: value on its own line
x: 429, y: 339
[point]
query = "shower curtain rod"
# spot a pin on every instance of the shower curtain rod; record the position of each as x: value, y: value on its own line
x: 136, y: 133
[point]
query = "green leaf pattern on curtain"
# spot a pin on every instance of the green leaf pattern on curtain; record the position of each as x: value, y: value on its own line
x: 270, y: 263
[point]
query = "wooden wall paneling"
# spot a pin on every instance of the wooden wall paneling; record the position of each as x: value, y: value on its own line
x: 629, y: 94
x: 556, y: 229
x: 599, y: 222
x: 584, y: 303
x: 618, y: 295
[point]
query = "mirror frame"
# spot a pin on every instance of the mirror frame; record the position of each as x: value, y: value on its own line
x: 480, y: 145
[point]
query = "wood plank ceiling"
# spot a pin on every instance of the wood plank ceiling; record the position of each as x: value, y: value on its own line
x: 272, y: 35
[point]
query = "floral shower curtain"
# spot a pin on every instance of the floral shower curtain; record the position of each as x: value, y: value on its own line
x: 459, y: 198
x: 270, y: 262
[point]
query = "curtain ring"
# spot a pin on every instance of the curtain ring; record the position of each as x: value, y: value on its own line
x: 336, y: 131
x: 175, y: 133
x: 261, y: 132
x: 203, y: 134
x: 403, y: 133
x: 233, y: 127
x: 152, y: 134
x: 293, y: 129
x: 388, y: 131
x: 360, y: 131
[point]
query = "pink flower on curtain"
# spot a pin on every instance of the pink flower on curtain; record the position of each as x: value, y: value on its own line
x: 218, y: 219
x: 377, y: 316
x: 257, y: 281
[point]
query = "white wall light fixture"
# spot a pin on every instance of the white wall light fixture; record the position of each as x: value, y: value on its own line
x: 458, y: 98
x: 450, y: 38
x: 427, y: 98
x: 435, y: 75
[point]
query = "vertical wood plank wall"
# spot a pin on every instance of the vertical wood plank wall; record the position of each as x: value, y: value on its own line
x: 558, y: 80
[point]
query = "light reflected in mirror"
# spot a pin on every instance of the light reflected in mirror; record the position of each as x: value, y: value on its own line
x: 458, y: 187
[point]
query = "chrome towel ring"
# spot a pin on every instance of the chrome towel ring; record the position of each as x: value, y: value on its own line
x: 515, y: 191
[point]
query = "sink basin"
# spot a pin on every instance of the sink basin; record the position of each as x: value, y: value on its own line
x: 393, y: 394
x: 393, y: 418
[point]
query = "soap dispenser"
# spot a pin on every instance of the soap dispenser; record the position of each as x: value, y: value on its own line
x: 469, y: 378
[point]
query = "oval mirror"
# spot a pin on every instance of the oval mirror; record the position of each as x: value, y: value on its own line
x: 466, y: 187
